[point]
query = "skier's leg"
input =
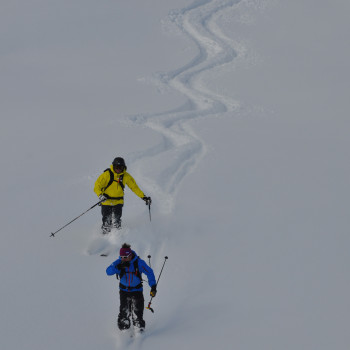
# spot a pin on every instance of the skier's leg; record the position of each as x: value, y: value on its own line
x: 106, y: 211
x: 117, y: 214
x: 138, y: 307
x: 124, y: 310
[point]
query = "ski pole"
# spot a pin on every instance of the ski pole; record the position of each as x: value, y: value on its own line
x: 149, y: 209
x: 149, y: 304
x: 53, y: 233
x: 149, y: 260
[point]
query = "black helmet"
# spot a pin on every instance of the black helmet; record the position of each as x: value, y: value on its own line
x: 119, y: 162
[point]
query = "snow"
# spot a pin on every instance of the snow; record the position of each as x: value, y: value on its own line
x: 232, y: 116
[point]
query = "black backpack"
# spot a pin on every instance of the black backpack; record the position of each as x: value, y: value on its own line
x: 111, y: 179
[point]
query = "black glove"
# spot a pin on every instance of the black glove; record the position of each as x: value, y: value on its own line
x: 153, y: 291
x: 121, y: 266
x: 148, y: 200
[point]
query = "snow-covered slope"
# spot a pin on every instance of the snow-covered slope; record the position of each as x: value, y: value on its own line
x: 232, y: 115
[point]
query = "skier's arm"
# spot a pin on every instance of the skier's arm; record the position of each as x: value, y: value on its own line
x: 130, y: 181
x: 144, y: 268
x: 101, y: 183
x: 112, y: 268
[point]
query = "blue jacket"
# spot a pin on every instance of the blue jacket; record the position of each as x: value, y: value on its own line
x: 129, y: 278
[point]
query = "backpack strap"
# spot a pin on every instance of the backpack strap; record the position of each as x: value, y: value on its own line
x: 136, y: 268
x: 111, y: 179
x: 136, y: 272
x: 120, y: 180
x: 130, y: 289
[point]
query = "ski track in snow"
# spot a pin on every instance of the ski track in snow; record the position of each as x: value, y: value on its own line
x: 181, y: 149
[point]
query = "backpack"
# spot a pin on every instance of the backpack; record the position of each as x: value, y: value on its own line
x: 111, y: 179
x: 137, y: 273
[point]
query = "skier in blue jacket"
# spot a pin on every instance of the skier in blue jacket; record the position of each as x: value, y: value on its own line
x: 129, y: 268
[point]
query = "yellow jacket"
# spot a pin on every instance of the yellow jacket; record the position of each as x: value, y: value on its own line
x: 115, y: 189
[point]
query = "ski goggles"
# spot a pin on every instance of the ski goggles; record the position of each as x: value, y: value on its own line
x: 119, y: 167
x: 124, y: 256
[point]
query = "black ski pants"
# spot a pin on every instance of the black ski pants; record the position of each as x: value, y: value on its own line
x: 111, y: 216
x: 131, y: 309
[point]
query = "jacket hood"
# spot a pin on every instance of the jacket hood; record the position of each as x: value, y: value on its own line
x: 134, y: 256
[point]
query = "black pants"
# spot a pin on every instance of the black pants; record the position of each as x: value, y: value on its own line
x: 111, y: 217
x: 131, y: 309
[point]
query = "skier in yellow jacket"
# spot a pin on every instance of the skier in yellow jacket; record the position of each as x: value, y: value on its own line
x: 109, y: 188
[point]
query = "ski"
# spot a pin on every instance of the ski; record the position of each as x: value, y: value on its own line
x: 132, y: 332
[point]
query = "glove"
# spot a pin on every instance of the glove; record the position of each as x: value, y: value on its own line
x: 153, y: 291
x: 102, y: 197
x: 120, y: 266
x: 148, y: 200
x: 123, y: 265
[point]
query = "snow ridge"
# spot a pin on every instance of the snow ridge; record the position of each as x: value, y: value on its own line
x: 181, y: 149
